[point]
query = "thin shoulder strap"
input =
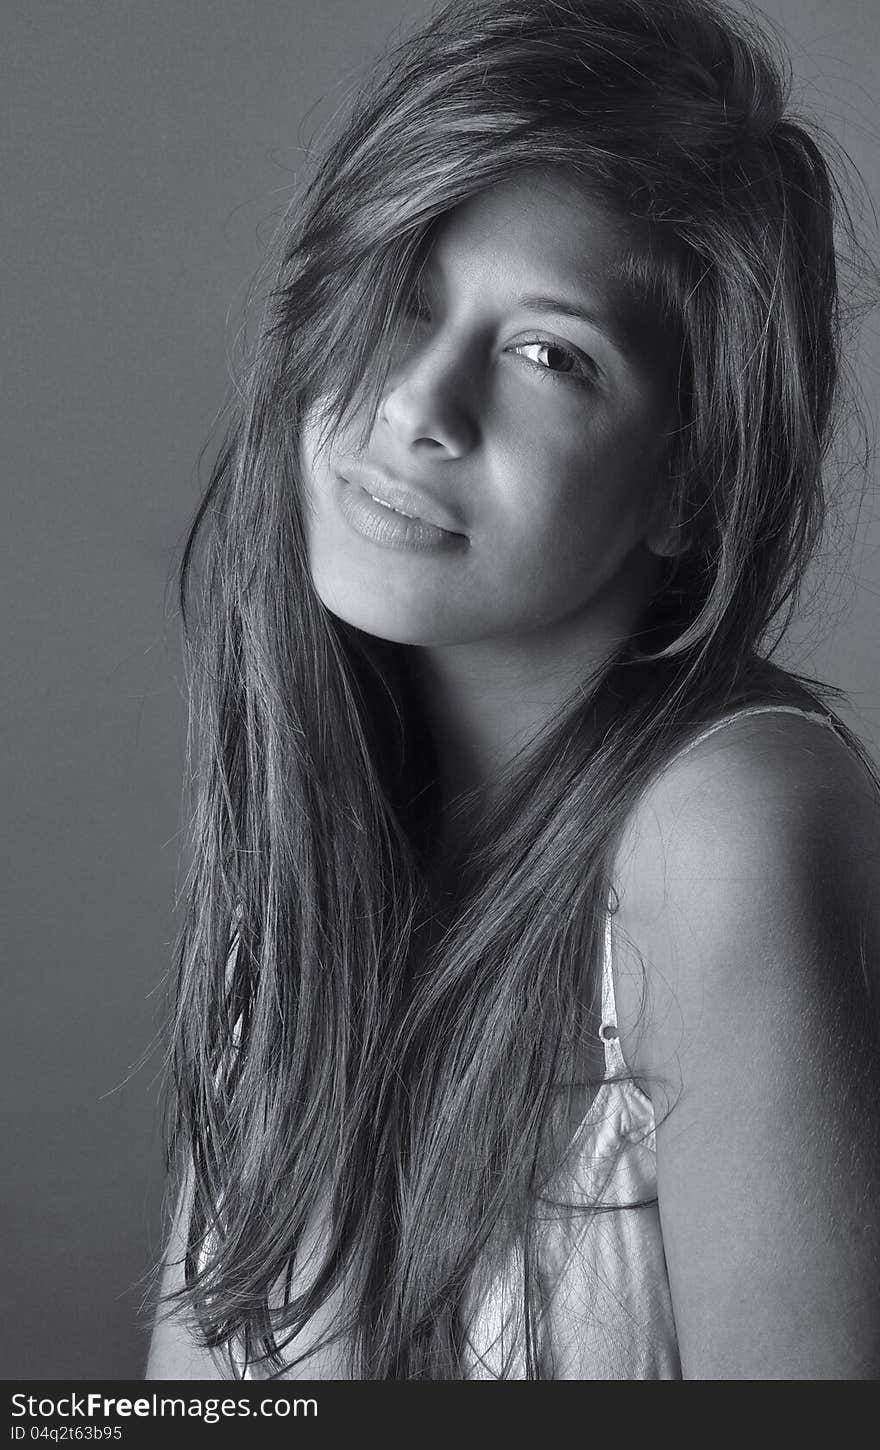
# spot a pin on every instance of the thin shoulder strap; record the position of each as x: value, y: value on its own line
x: 615, y: 1064
x: 769, y: 709
x: 609, y: 1035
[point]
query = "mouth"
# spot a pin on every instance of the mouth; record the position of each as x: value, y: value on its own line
x: 385, y: 522
x: 404, y: 499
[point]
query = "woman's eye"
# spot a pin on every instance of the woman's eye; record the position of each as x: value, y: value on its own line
x: 552, y: 357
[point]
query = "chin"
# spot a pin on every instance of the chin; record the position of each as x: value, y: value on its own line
x: 413, y: 623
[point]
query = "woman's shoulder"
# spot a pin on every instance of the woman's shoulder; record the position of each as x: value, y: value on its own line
x: 746, y: 879
x: 746, y: 950
x: 755, y: 785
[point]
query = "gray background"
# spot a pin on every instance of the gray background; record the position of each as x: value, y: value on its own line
x: 149, y: 150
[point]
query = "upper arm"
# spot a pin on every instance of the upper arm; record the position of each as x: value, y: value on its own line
x: 175, y: 1353
x: 748, y: 885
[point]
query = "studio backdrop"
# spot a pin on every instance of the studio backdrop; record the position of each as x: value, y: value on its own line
x: 149, y: 152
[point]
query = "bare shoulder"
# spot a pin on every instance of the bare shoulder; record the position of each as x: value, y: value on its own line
x: 746, y: 953
x: 761, y: 788
x: 766, y: 833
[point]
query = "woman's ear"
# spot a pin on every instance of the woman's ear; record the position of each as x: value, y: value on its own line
x: 667, y: 542
x: 666, y: 536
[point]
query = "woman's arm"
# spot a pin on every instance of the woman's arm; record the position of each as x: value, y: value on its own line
x: 174, y: 1352
x: 749, y: 888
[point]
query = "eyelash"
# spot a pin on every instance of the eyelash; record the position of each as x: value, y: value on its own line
x: 583, y: 373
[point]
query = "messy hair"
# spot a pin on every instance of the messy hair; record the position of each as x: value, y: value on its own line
x: 361, y: 1057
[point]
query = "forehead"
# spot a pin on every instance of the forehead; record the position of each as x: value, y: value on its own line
x: 545, y: 231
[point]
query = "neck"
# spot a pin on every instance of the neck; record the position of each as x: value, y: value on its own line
x: 487, y: 701
x: 486, y: 704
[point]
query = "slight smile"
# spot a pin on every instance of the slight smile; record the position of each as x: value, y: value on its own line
x: 391, y: 526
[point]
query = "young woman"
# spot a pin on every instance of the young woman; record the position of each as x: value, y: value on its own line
x: 547, y: 1045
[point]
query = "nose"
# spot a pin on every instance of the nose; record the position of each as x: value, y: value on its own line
x: 428, y: 403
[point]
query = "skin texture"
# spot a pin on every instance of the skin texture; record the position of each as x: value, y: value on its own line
x: 554, y: 474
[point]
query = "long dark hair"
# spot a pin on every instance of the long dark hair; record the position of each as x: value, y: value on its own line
x: 363, y: 1055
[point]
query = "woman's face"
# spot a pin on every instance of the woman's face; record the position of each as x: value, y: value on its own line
x: 515, y: 466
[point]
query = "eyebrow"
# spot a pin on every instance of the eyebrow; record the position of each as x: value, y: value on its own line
x: 543, y: 302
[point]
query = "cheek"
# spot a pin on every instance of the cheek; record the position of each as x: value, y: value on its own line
x: 566, y: 494
x: 583, y: 506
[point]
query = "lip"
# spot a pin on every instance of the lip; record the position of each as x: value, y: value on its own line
x: 389, y: 529
x: 403, y: 500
